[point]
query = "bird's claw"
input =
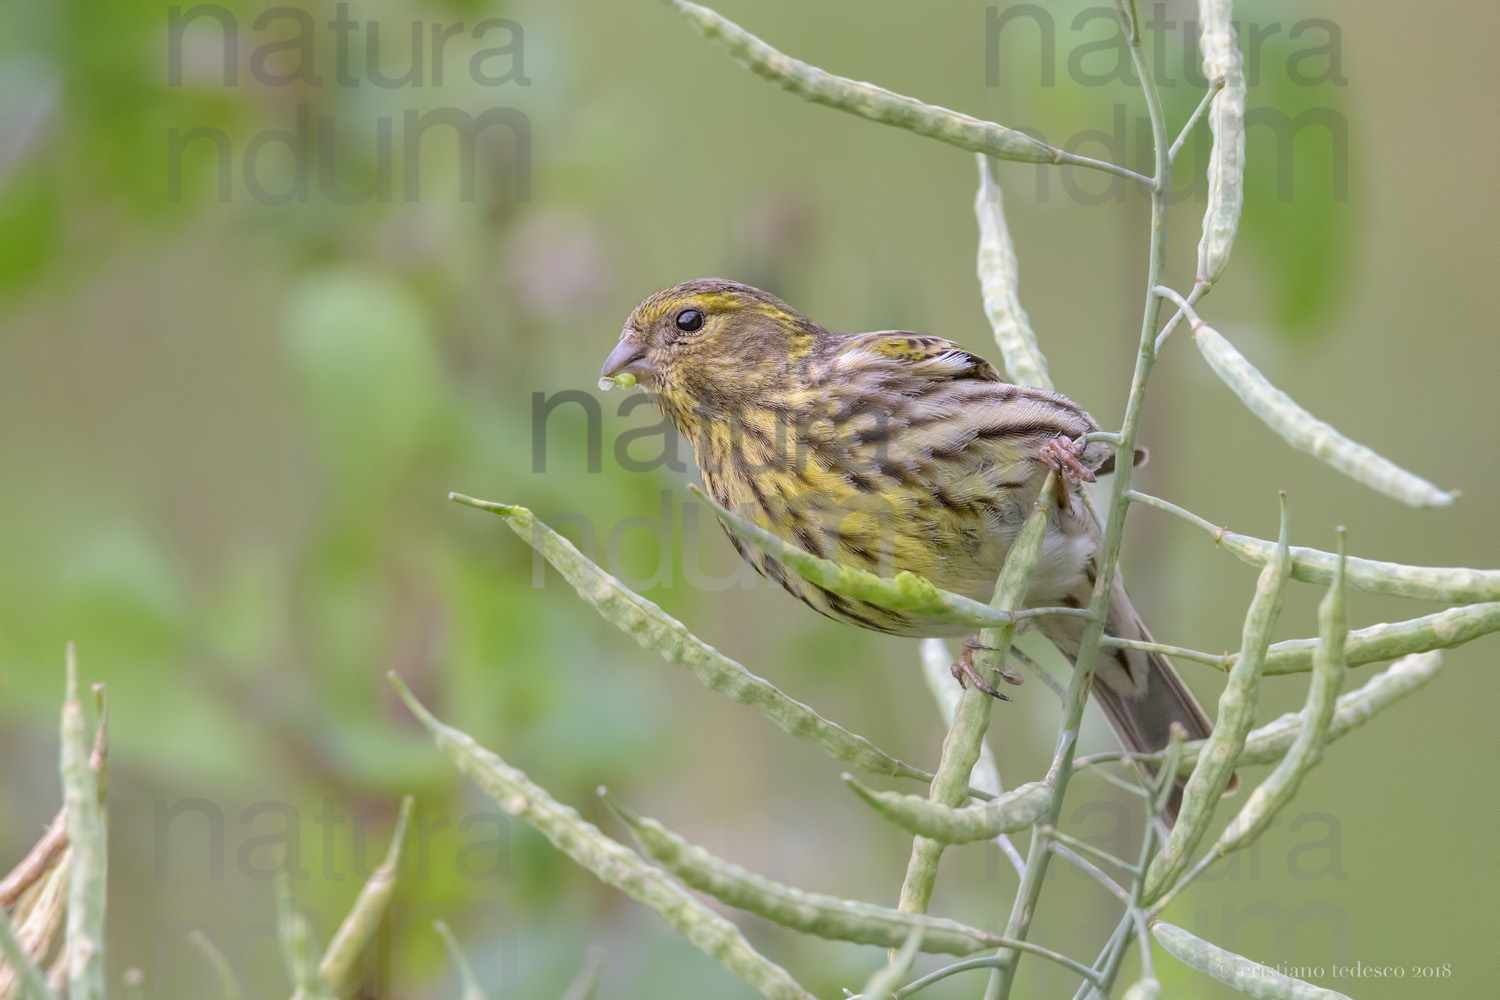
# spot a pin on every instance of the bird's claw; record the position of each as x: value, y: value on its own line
x: 966, y: 673
x: 1063, y: 454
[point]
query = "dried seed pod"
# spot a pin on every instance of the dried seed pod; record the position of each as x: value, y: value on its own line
x: 1226, y: 120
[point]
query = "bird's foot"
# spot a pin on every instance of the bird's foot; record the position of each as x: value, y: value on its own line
x: 1063, y: 454
x: 966, y: 673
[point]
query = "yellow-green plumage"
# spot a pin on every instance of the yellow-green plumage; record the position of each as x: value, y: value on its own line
x: 886, y: 451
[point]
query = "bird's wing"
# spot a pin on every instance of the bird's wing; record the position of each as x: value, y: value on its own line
x: 913, y: 354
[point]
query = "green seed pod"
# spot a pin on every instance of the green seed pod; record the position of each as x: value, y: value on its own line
x: 1270, y: 742
x: 1329, y: 668
x: 340, y: 961
x: 654, y: 629
x: 903, y: 592
x: 950, y: 786
x: 1211, y: 774
x: 883, y: 983
x: 611, y: 862
x: 86, y: 837
x: 1448, y: 584
x: 228, y: 983
x: 807, y: 912
x: 1235, y: 971
x: 1015, y: 810
x: 865, y: 99
x: 470, y: 982
x: 1307, y: 433
x: 1387, y: 641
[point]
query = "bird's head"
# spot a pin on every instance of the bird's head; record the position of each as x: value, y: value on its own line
x: 710, y: 345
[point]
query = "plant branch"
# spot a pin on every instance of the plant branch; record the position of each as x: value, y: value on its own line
x: 1089, y: 975
x: 1208, y: 98
x: 1087, y: 658
x: 937, y: 664
x: 877, y: 104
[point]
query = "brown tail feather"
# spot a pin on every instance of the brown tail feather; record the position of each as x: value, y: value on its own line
x: 1140, y: 692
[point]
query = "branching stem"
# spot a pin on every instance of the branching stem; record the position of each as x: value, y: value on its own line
x: 1022, y: 911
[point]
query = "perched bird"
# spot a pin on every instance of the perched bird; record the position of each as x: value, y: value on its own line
x: 892, y: 451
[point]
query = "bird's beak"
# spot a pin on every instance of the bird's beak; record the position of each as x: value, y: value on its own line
x: 628, y: 358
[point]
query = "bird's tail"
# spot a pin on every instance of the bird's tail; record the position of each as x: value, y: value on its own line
x: 1140, y: 691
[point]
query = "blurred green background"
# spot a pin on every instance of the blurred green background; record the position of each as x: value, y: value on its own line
x: 227, y: 429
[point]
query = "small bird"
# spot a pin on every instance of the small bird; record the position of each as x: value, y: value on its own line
x: 893, y: 451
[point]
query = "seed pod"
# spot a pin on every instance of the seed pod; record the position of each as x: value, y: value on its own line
x: 1305, y: 432
x: 1270, y: 742
x: 865, y: 99
x: 1235, y: 971
x: 807, y: 912
x: 883, y: 983
x: 1015, y: 810
x: 611, y: 862
x: 228, y: 982
x: 1226, y: 120
x: 1144, y: 989
x: 1216, y: 762
x: 1387, y: 641
x: 1329, y: 668
x: 972, y: 716
x: 1427, y: 583
x: 905, y: 591
x: 999, y: 285
x: 1449, y: 584
x: 654, y: 629
x: 86, y: 838
x: 339, y: 964
x: 466, y: 977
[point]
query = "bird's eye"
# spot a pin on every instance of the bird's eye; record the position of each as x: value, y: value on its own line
x: 689, y: 320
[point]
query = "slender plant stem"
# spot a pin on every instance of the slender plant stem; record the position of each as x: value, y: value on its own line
x: 1084, y: 847
x: 1039, y: 853
x: 1090, y: 988
x: 1221, y: 660
x: 1090, y: 869
x: 1089, y: 975
x: 1208, y: 98
x: 1197, y: 293
x: 1050, y: 682
x: 1156, y: 801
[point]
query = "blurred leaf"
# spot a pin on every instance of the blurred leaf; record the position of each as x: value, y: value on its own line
x: 361, y: 344
x: 119, y: 583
